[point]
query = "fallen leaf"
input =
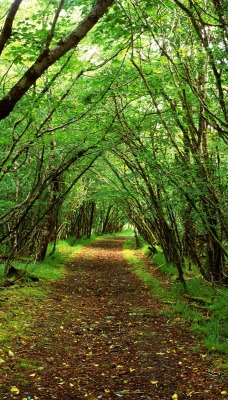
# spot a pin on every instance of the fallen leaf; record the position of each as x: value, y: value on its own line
x: 174, y: 396
x: 11, y: 353
x: 132, y: 369
x: 223, y: 392
x: 154, y: 382
x: 1, y: 360
x: 14, y: 390
x: 107, y: 390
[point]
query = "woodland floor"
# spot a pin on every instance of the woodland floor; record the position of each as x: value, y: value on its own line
x: 100, y: 334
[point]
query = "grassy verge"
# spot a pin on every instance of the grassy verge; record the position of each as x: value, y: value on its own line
x: 124, y: 233
x: 140, y: 270
x: 18, y: 302
x: 204, y: 306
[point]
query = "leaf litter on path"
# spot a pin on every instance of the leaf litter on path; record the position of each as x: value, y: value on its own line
x: 100, y: 334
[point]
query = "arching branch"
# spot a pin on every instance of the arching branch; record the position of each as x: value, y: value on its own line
x: 49, y: 56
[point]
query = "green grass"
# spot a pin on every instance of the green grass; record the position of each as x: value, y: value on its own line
x: 140, y: 270
x: 70, y: 245
x: 126, y: 232
x: 18, y: 302
x: 17, y: 311
x: 204, y: 306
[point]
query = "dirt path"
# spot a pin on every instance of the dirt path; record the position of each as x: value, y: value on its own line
x: 101, y: 335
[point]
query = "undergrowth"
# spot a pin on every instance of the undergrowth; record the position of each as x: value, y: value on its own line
x: 133, y: 257
x: 204, y: 305
x: 18, y: 302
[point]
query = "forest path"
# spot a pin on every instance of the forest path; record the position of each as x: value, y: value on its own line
x: 100, y: 334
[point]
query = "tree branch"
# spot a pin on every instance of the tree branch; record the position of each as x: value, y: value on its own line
x: 49, y: 56
x: 7, y: 28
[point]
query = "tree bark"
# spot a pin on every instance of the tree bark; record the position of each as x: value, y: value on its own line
x: 7, y: 28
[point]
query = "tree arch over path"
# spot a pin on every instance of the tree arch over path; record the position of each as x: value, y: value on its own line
x: 125, y: 121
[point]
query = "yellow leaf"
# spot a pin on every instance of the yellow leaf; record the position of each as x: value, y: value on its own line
x: 11, y: 353
x: 132, y: 369
x: 14, y: 390
x: 71, y: 384
x: 174, y: 396
x: 154, y: 382
x: 224, y: 393
x: 107, y: 390
x: 1, y: 360
x: 203, y: 355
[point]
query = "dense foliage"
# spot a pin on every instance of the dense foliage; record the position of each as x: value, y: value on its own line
x: 122, y: 118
